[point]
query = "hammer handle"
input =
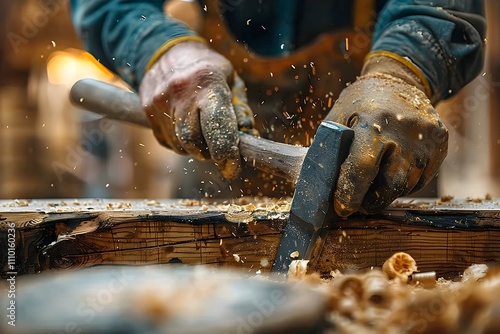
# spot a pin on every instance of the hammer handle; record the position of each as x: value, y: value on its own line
x: 120, y: 104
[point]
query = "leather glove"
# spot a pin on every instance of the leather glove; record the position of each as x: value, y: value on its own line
x: 399, y: 141
x: 187, y: 97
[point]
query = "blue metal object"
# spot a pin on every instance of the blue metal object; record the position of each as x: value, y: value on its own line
x: 312, y: 204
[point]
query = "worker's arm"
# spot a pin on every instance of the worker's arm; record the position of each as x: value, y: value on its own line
x: 444, y: 39
x: 194, y: 101
x: 123, y: 34
x: 422, y: 52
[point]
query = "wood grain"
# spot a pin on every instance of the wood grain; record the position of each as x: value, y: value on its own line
x: 444, y: 237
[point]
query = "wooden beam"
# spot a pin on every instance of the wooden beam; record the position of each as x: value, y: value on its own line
x: 443, y: 237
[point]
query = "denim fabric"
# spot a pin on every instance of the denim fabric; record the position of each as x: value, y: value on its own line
x: 124, y: 34
x: 444, y: 38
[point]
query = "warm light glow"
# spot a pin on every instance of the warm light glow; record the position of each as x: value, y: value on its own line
x: 68, y: 66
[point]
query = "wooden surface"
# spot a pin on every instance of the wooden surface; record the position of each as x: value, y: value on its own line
x: 445, y: 237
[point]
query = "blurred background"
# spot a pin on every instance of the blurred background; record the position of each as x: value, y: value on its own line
x: 49, y: 149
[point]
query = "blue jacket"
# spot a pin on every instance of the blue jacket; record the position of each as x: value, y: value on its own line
x: 444, y: 38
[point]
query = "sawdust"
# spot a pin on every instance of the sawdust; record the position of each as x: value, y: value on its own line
x: 444, y: 199
x: 243, y: 204
x: 373, y: 302
x: 153, y: 203
x: 118, y: 205
x: 474, y: 199
x: 16, y: 203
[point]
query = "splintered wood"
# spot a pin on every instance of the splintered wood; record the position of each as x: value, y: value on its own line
x: 442, y: 236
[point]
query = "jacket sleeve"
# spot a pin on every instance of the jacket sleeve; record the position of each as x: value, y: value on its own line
x: 444, y: 38
x: 124, y: 34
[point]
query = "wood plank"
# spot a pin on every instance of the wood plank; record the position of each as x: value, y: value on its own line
x: 447, y: 251
x: 445, y: 237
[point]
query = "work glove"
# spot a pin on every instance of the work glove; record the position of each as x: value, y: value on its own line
x: 399, y: 141
x: 196, y: 103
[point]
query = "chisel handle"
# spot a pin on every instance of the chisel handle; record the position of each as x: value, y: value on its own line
x: 120, y: 104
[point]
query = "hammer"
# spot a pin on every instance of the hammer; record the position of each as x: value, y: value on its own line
x: 314, y: 170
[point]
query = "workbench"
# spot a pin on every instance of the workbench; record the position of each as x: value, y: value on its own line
x: 442, y: 235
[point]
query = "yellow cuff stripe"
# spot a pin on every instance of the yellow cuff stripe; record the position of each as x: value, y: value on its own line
x: 168, y: 45
x: 408, y: 63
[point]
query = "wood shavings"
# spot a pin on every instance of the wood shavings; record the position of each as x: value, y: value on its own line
x: 153, y: 203
x: 239, y: 217
x: 475, y: 272
x: 444, y: 199
x: 243, y: 201
x: 17, y: 203
x: 236, y: 257
x: 295, y: 254
x: 473, y: 199
x: 249, y: 207
x: 336, y: 274
x: 190, y: 202
x: 119, y: 205
x: 297, y: 269
x: 268, y: 206
x: 399, y: 266
x: 487, y: 197
x: 361, y: 299
x: 371, y: 303
x: 264, y: 262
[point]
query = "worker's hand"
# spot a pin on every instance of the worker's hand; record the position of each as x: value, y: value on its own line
x: 195, y: 104
x: 399, y: 141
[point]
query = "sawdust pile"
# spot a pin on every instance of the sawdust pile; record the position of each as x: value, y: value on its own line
x: 202, y: 299
x: 388, y: 300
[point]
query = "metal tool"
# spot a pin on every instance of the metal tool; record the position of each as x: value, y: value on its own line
x: 314, y: 170
x: 312, y: 203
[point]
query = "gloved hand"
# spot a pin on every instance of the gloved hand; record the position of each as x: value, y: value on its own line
x: 187, y: 97
x: 399, y: 141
